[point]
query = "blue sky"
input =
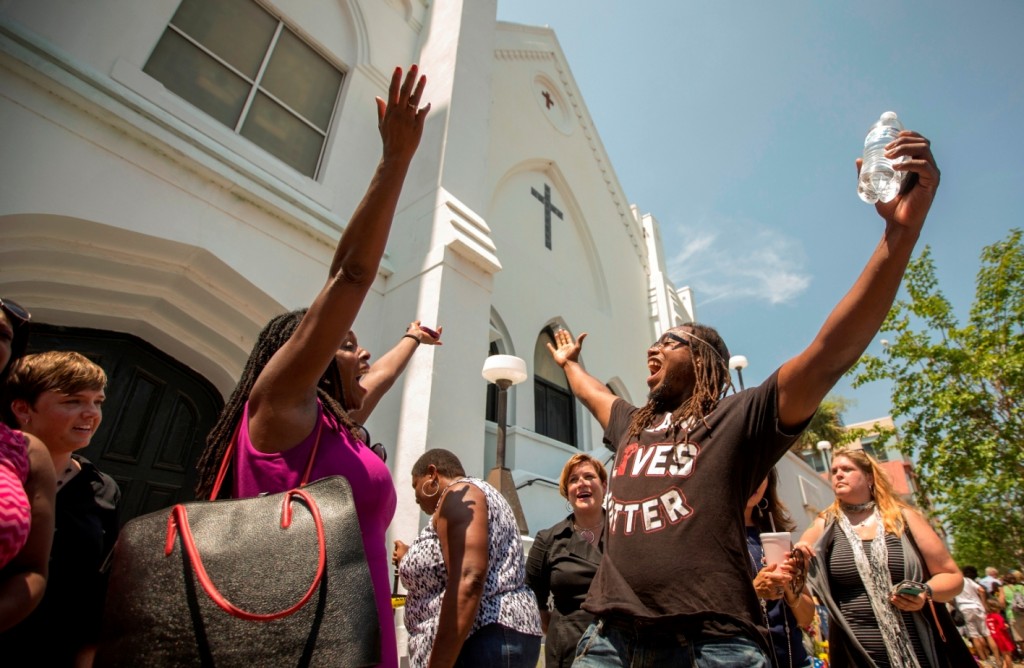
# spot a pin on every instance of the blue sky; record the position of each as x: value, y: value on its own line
x: 736, y: 124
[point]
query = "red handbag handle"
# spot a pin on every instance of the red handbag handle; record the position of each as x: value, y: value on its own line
x: 178, y: 521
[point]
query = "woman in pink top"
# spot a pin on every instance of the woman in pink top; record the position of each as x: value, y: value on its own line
x: 28, y: 487
x: 307, y: 368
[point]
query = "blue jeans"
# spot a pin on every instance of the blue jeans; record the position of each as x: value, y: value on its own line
x: 626, y: 645
x: 496, y: 646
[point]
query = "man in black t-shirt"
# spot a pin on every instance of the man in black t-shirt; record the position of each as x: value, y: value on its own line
x: 674, y: 585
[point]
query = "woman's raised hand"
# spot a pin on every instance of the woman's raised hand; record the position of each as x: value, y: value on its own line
x: 424, y: 335
x: 400, y: 118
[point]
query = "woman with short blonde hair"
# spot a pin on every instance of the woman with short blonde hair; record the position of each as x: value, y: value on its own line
x: 564, y: 558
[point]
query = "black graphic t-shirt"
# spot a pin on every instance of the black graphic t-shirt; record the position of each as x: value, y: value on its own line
x: 675, y: 548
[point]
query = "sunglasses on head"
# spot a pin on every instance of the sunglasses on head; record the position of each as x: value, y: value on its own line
x: 15, y: 311
x: 363, y: 434
x: 670, y: 341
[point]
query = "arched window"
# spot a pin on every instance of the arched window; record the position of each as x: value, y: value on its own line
x: 554, y: 405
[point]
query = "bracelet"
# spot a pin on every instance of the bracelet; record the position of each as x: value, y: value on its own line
x: 927, y: 592
x: 410, y: 336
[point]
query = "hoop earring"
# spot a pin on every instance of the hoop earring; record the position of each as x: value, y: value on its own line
x: 871, y: 490
x: 568, y: 507
x: 423, y: 488
x: 761, y: 507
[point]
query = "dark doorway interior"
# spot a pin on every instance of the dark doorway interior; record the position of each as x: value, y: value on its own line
x: 155, y: 419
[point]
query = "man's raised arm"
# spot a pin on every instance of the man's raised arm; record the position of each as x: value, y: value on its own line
x: 807, y: 378
x: 593, y: 393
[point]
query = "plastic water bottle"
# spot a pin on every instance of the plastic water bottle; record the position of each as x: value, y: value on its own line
x: 879, y: 182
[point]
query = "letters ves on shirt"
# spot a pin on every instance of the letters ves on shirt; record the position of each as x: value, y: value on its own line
x: 667, y: 460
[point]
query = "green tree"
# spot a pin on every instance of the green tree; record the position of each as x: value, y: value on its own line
x: 957, y: 392
x: 827, y: 424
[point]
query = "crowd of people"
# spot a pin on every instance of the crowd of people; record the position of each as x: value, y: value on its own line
x: 662, y: 559
x: 989, y: 613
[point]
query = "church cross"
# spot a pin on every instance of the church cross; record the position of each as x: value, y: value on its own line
x: 548, y: 102
x: 548, y: 209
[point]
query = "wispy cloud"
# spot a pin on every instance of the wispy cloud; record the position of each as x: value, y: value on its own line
x: 739, y: 260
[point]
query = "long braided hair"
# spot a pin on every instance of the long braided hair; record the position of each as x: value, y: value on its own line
x: 269, y: 341
x: 712, y: 382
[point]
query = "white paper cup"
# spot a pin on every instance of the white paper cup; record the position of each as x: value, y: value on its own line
x: 776, y: 545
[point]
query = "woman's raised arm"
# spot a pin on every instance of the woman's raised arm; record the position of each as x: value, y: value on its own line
x: 282, y: 404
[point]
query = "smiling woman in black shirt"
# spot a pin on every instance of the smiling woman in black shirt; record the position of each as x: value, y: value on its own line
x: 564, y: 558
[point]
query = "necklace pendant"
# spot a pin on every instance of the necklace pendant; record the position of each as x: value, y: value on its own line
x: 587, y: 535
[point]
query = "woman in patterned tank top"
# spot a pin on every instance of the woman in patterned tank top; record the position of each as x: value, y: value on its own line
x: 467, y: 603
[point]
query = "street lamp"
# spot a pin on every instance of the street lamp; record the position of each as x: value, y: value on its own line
x: 739, y: 362
x: 824, y: 447
x: 505, y: 371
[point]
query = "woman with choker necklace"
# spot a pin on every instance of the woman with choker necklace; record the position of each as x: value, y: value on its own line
x: 785, y: 603
x: 564, y: 558
x: 864, y: 543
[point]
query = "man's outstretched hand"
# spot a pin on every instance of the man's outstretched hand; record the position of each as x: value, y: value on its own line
x: 568, y: 349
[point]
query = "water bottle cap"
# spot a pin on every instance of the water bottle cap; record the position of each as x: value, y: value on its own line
x: 888, y: 117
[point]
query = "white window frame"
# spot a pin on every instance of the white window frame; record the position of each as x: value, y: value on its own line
x: 255, y: 87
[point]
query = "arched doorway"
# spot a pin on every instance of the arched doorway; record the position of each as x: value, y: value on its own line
x: 155, y: 420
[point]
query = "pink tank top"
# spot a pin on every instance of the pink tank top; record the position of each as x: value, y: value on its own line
x: 374, y: 493
x: 15, y: 509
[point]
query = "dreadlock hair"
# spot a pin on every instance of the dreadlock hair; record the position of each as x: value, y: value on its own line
x: 712, y: 382
x: 773, y: 508
x: 269, y: 341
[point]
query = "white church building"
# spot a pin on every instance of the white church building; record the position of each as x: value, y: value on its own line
x: 177, y: 172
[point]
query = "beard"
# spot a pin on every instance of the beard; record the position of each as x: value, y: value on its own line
x: 666, y: 397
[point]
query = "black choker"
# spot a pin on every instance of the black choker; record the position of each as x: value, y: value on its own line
x: 856, y: 507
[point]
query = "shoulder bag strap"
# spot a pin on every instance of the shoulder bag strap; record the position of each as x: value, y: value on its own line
x: 178, y: 522
x: 924, y: 569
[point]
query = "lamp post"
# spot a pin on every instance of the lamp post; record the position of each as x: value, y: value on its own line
x: 505, y: 371
x: 739, y: 362
x: 825, y: 448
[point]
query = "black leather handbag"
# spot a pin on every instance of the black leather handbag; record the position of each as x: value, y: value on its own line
x: 276, y: 580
